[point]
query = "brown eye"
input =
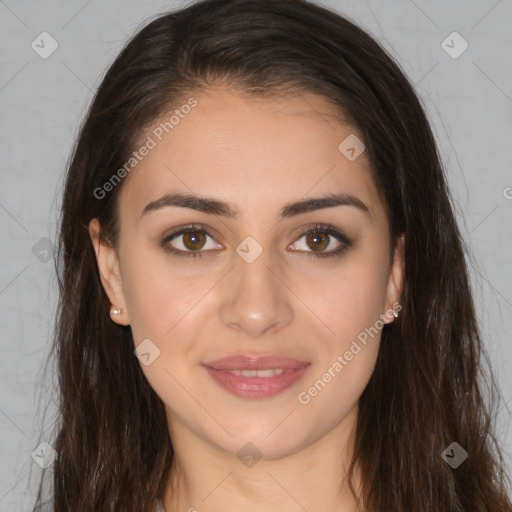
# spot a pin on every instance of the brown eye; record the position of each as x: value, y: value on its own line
x: 321, y: 240
x: 317, y: 241
x: 194, y: 240
x: 190, y: 240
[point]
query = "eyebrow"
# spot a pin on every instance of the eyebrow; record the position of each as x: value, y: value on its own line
x: 215, y: 207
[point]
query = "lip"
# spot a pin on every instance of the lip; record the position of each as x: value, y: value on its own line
x: 261, y: 362
x: 221, y: 371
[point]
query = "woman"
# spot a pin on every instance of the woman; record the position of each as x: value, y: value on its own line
x: 265, y: 302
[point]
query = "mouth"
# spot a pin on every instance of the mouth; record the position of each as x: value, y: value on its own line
x: 256, y: 377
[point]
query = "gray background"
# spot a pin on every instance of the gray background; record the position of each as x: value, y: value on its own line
x: 42, y: 101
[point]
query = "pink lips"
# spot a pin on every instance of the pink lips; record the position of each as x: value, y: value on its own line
x: 237, y: 374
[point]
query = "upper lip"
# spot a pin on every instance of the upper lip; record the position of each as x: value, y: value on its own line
x: 248, y: 362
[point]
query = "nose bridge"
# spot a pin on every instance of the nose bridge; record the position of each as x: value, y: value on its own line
x: 256, y: 301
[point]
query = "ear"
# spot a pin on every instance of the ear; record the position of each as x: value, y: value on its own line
x: 396, y: 278
x: 110, y: 273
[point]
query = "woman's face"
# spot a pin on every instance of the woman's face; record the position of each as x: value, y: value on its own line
x: 255, y: 285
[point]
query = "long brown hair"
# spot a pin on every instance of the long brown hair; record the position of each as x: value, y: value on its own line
x: 112, y: 441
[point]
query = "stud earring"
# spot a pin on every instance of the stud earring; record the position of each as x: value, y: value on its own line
x: 115, y: 311
x: 396, y: 310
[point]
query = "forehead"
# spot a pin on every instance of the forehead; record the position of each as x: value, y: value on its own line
x: 252, y: 152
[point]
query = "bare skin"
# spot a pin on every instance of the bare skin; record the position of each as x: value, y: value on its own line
x: 257, y: 157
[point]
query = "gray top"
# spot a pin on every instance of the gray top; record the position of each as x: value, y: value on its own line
x: 159, y: 507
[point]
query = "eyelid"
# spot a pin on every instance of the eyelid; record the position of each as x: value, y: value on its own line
x: 189, y: 227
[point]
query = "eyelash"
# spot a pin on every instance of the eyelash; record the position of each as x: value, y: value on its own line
x: 322, y: 228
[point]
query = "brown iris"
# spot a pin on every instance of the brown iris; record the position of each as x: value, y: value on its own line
x: 194, y: 240
x: 321, y: 240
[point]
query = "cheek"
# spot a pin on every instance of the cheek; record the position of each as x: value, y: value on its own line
x: 158, y: 297
x: 348, y: 300
x: 351, y: 309
x: 164, y: 307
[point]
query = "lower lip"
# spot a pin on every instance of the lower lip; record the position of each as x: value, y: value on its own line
x: 256, y: 387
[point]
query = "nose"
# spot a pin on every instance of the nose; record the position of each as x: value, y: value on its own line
x: 256, y: 300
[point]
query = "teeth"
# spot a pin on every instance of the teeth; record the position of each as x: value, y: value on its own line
x: 258, y: 373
